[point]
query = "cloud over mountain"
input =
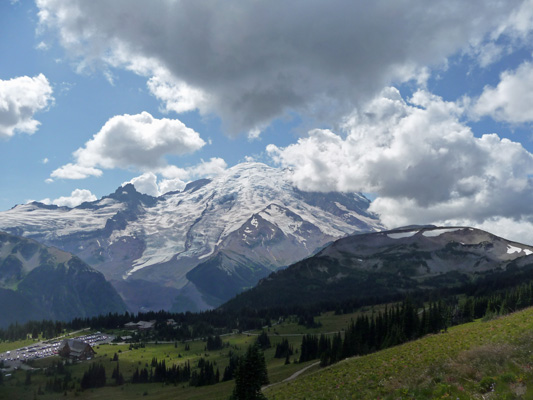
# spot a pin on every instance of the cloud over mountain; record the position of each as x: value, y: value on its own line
x: 140, y: 141
x: 424, y: 163
x: 175, y: 178
x: 77, y: 197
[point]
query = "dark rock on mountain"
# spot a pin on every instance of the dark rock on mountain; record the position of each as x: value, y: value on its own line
x: 384, y: 264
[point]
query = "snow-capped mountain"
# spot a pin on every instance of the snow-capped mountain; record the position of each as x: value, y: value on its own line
x: 174, y: 250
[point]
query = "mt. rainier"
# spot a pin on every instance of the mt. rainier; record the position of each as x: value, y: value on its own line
x: 193, y: 249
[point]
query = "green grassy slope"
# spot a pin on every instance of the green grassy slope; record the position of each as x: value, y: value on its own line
x: 467, y: 362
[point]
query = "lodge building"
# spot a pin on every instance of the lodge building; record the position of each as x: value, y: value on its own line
x: 75, y: 349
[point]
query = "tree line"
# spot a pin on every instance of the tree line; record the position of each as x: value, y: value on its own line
x: 393, y: 326
x: 411, y: 320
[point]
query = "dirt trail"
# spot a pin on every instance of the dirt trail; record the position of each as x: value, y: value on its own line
x: 293, y: 376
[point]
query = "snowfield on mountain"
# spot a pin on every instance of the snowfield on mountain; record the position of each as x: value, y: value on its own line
x: 169, y: 252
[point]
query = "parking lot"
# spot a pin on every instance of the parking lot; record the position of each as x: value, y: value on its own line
x: 49, y: 348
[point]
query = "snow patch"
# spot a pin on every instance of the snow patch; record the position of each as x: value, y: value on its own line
x: 513, y: 249
x: 399, y: 235
x: 438, y: 232
x: 279, y: 217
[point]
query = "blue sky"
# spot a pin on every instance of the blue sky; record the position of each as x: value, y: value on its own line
x: 82, y: 103
x: 426, y: 107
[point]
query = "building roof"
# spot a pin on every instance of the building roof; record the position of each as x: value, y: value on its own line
x: 76, y: 347
x: 146, y: 325
x: 141, y: 325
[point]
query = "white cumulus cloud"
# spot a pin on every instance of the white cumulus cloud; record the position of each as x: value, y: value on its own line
x: 146, y: 183
x: 176, y: 96
x: 131, y: 141
x: 20, y: 99
x: 511, y: 100
x: 138, y: 140
x: 74, y: 171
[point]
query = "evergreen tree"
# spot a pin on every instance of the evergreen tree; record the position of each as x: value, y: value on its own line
x: 206, y: 374
x: 117, y: 376
x: 251, y: 374
x: 229, y: 371
x: 93, y: 377
x: 309, y: 349
x: 214, y: 343
x: 336, y: 349
x: 263, y: 341
x: 283, y: 349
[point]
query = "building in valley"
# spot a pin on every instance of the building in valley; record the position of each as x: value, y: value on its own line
x: 75, y: 349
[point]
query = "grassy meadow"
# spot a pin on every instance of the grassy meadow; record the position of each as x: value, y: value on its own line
x: 8, y: 346
x: 482, y: 360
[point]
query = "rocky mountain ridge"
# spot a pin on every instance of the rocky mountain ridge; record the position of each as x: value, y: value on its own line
x: 391, y: 263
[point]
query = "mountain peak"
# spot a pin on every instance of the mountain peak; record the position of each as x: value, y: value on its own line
x: 128, y: 194
x: 128, y: 188
x: 131, y: 236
